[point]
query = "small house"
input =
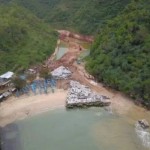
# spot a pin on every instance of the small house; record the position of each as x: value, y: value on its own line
x: 5, y: 79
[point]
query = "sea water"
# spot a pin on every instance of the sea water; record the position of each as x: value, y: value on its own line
x: 79, y: 129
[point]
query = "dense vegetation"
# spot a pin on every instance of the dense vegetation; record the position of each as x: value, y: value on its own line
x: 24, y: 39
x: 120, y: 57
x: 84, y: 16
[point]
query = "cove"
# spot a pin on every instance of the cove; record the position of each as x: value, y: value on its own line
x: 80, y: 129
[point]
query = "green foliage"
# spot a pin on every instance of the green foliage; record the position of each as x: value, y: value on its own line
x: 120, y: 56
x: 45, y: 73
x: 24, y: 39
x: 84, y: 16
x: 31, y: 77
x: 18, y: 82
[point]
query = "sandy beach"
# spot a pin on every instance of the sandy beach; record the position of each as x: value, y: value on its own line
x: 19, y: 108
x: 25, y: 106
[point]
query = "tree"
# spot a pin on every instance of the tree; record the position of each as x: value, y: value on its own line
x: 31, y: 77
x: 45, y: 73
x: 18, y: 82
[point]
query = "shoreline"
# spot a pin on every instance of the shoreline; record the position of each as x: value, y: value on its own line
x: 27, y: 106
x: 20, y: 108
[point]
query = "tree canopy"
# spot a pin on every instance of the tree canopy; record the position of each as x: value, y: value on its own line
x: 120, y: 56
x: 84, y: 16
x: 24, y: 39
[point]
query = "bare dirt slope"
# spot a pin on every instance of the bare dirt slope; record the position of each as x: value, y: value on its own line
x: 120, y: 102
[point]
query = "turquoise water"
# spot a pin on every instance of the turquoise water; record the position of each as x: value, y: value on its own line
x: 61, y: 52
x: 91, y: 129
x: 84, y: 54
x: 87, y: 129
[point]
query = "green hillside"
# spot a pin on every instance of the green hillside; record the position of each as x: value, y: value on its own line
x: 24, y: 39
x: 120, y: 57
x: 84, y: 16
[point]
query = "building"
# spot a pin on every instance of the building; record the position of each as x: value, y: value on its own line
x: 5, y: 79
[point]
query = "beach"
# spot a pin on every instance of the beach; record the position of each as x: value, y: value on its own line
x: 17, y: 108
x: 24, y: 106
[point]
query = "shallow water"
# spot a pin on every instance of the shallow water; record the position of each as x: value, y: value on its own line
x: 61, y: 52
x: 88, y: 129
x: 85, y: 53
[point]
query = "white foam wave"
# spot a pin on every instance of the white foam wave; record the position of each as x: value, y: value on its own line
x: 144, y: 135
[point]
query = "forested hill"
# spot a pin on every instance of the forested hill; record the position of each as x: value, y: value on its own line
x: 120, y: 57
x: 24, y: 39
x: 84, y: 16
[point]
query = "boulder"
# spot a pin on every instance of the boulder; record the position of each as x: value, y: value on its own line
x: 81, y: 96
x: 61, y: 73
x: 143, y: 123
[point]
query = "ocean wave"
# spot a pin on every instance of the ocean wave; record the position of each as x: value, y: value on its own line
x: 144, y: 135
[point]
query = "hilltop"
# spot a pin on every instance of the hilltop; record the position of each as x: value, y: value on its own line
x: 83, y: 16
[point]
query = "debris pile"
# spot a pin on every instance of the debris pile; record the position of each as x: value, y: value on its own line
x: 61, y: 73
x: 82, y: 96
x: 5, y: 95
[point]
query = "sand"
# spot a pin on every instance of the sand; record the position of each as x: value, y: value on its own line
x: 19, y: 108
x: 25, y: 106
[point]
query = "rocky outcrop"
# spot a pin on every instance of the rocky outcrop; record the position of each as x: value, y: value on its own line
x: 61, y: 73
x: 81, y: 96
x: 143, y: 124
x: 143, y: 132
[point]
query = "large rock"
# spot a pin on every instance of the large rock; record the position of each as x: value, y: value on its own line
x: 143, y: 123
x: 81, y: 96
x: 61, y: 73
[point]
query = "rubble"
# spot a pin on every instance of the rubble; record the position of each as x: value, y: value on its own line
x: 6, y: 94
x: 61, y: 73
x: 82, y: 96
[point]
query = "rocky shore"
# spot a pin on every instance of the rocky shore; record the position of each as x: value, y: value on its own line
x: 80, y: 96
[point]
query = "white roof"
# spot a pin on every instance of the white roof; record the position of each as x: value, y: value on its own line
x: 7, y: 75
